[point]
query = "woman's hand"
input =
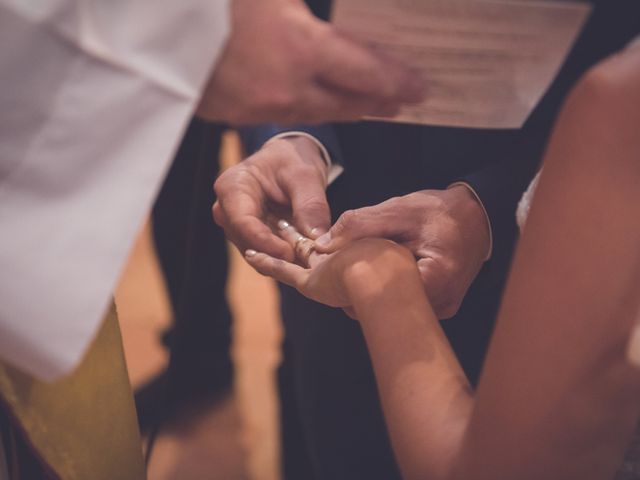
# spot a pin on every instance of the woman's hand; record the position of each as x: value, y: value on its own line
x: 317, y: 276
x: 363, y: 269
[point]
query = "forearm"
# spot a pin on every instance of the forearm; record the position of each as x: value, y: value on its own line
x: 425, y: 396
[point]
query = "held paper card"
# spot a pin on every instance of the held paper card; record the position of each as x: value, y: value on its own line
x: 486, y: 63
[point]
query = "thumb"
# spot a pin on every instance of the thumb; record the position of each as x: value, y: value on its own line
x: 351, y: 226
x: 311, y: 214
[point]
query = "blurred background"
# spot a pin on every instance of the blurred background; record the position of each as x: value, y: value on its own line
x: 234, y: 437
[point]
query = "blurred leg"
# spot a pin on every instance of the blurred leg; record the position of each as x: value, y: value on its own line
x: 295, y: 461
x: 193, y: 256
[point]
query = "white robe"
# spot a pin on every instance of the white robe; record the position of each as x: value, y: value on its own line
x: 94, y: 98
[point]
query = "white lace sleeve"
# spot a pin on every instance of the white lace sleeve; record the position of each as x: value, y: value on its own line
x: 525, y: 202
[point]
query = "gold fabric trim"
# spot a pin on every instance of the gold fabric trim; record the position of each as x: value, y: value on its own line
x: 83, y: 426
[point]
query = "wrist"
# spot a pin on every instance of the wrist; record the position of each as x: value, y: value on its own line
x: 381, y: 274
x: 295, y: 152
x: 308, y: 149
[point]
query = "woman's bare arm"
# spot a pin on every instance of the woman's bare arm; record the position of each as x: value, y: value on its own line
x: 426, y: 398
x: 557, y: 399
x: 425, y: 395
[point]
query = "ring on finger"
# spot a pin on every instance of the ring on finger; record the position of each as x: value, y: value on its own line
x: 303, y: 248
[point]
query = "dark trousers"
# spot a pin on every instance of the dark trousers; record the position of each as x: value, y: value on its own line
x: 193, y: 256
x: 22, y: 462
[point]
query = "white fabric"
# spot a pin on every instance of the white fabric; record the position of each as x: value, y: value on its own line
x: 95, y: 97
x: 484, y: 210
x: 524, y: 206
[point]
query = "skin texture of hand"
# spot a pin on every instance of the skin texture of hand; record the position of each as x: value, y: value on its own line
x: 363, y: 269
x: 446, y: 230
x: 281, y: 64
x: 285, y: 179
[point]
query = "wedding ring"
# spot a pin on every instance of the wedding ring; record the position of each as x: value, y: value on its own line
x: 303, y: 248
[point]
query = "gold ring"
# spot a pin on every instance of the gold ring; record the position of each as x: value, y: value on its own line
x: 303, y: 248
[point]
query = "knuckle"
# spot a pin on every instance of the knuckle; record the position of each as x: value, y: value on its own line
x: 262, y: 238
x: 278, y: 266
x: 283, y: 154
x: 442, y: 263
x: 301, y: 172
x: 217, y: 214
x: 219, y: 186
x: 280, y: 148
x: 429, y: 265
x: 226, y: 184
x: 313, y: 204
x: 347, y: 221
x: 394, y: 203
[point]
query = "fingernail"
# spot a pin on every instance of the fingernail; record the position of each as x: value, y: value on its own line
x: 283, y: 224
x: 316, y: 232
x: 323, y: 240
x: 250, y: 253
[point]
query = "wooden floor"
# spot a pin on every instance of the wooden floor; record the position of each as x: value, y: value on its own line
x: 238, y: 438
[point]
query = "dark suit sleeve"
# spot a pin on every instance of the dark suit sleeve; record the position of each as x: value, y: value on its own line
x: 500, y: 187
x: 501, y: 184
x: 253, y: 138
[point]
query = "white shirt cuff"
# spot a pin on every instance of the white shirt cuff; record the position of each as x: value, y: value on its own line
x: 486, y: 215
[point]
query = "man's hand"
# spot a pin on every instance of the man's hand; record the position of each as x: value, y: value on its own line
x: 281, y: 64
x: 285, y: 179
x: 446, y: 230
